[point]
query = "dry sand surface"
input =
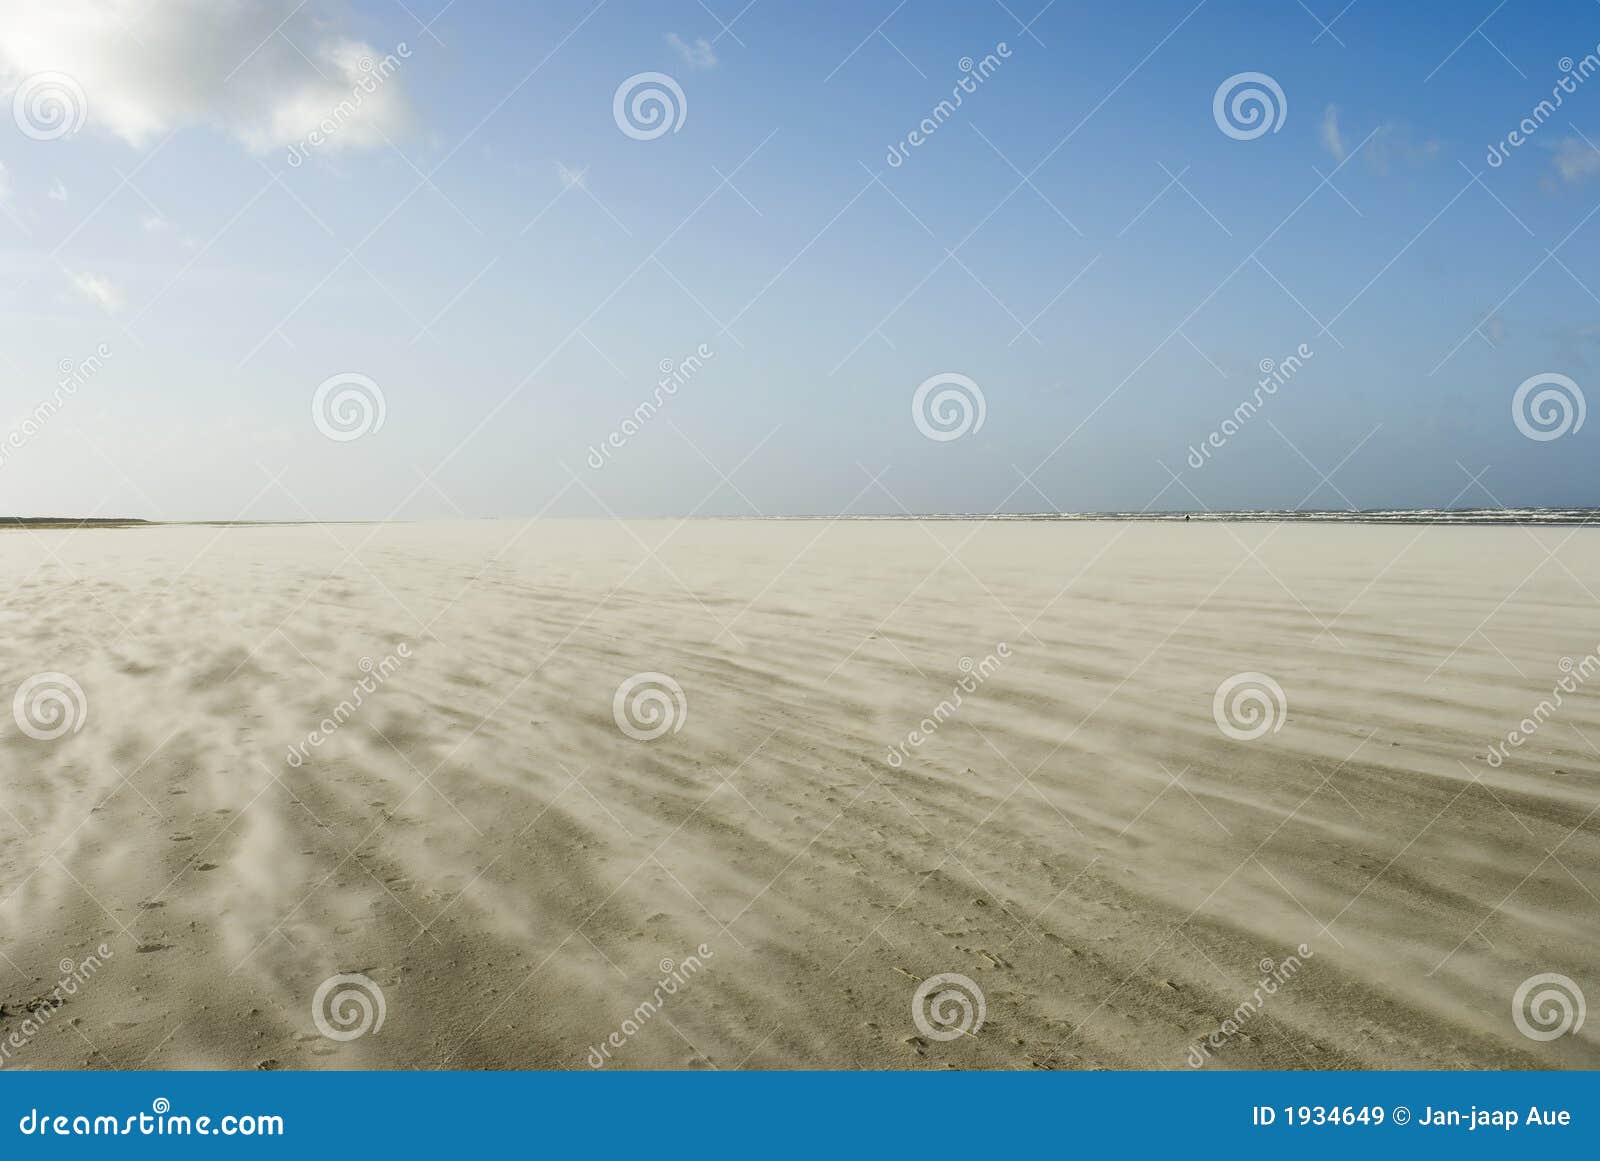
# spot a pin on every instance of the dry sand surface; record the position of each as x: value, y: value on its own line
x: 1079, y: 838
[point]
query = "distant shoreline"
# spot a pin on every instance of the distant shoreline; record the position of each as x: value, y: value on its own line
x: 69, y: 521
x: 1555, y: 517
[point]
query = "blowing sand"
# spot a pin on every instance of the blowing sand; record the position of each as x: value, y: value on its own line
x: 1079, y: 837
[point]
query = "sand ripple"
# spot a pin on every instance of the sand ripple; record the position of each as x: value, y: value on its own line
x: 1078, y: 838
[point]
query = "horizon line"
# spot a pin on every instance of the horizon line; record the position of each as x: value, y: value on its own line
x: 1554, y: 515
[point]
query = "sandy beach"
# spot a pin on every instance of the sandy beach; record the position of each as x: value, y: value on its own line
x: 493, y: 839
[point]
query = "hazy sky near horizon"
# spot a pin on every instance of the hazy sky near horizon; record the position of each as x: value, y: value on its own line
x: 507, y: 258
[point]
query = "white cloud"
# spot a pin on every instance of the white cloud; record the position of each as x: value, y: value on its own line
x: 58, y: 191
x: 154, y: 224
x: 1392, y: 145
x: 1331, y: 140
x: 697, y: 54
x: 1576, y: 160
x: 264, y: 72
x: 99, y: 290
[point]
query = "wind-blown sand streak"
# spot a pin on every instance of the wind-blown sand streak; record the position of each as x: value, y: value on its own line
x: 1078, y: 837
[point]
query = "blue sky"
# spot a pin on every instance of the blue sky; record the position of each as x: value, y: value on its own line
x: 1079, y: 239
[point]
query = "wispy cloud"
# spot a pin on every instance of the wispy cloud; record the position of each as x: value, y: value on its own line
x: 1390, y: 146
x: 1577, y: 344
x: 1493, y: 328
x: 5, y: 202
x: 697, y: 54
x: 1577, y: 160
x: 58, y: 191
x: 1393, y: 146
x: 99, y: 290
x: 1331, y: 140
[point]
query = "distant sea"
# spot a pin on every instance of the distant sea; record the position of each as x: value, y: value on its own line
x: 1562, y: 516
